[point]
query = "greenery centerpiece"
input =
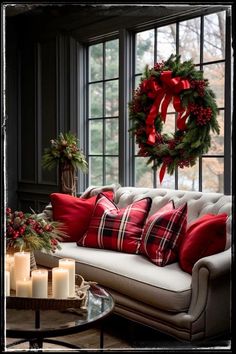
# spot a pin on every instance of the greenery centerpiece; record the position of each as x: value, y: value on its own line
x: 65, y: 153
x: 30, y: 232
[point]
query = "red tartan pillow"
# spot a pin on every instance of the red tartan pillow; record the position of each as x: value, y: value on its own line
x: 204, y: 237
x: 163, y: 233
x: 114, y: 228
x: 74, y: 213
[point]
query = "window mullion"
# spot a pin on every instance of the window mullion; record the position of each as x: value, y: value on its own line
x: 125, y: 176
x: 82, y: 108
x: 177, y: 52
x: 104, y: 121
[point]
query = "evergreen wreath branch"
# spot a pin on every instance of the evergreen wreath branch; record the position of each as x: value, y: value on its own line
x: 194, y: 101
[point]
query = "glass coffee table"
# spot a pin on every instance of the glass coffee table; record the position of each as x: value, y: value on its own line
x: 39, y: 326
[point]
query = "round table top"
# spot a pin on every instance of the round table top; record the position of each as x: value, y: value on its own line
x: 21, y: 323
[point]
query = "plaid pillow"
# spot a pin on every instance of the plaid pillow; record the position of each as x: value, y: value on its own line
x: 163, y: 234
x: 114, y: 228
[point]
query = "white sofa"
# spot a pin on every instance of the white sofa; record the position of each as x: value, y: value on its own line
x: 189, y: 307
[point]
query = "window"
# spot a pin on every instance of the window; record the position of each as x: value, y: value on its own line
x: 103, y: 112
x: 210, y: 53
x: 207, y: 50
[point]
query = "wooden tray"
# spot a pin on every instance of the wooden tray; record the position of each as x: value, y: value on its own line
x: 49, y: 303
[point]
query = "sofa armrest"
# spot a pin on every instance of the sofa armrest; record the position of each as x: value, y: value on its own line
x: 218, y: 264
x: 210, y: 301
x: 210, y: 305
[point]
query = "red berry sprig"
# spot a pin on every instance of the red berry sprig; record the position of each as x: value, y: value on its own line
x: 159, y: 66
x: 184, y: 163
x: 199, y: 85
x: 204, y: 115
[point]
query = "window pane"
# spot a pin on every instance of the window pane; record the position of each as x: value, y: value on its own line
x: 95, y: 100
x: 217, y: 141
x: 143, y: 173
x: 95, y: 137
x: 112, y: 97
x: 144, y: 50
x: 137, y: 81
x: 166, y: 42
x: 111, y: 170
x: 188, y: 178
x: 112, y: 59
x: 96, y: 62
x: 215, y: 73
x: 169, y: 126
x: 112, y: 130
x: 214, y: 36
x: 213, y: 175
x: 96, y: 170
x: 189, y: 40
x: 167, y: 182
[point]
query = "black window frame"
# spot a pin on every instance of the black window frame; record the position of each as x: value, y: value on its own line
x: 126, y: 38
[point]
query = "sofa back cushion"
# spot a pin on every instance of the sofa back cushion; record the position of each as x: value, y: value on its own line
x: 114, y: 228
x: 199, y: 203
x: 74, y: 213
x: 204, y: 237
x: 163, y: 234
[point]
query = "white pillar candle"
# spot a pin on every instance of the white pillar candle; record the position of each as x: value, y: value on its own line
x: 9, y: 258
x: 39, y: 283
x: 10, y: 267
x: 60, y: 283
x: 69, y: 264
x: 22, y: 265
x: 7, y: 283
x: 24, y: 288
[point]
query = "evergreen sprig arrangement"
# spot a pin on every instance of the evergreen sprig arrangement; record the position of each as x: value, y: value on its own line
x: 194, y: 101
x: 29, y: 231
x: 65, y: 150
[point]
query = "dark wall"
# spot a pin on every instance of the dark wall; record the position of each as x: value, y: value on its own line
x: 12, y: 112
x: 36, y: 107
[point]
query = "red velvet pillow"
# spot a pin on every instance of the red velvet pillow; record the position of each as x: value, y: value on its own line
x: 204, y: 237
x: 74, y: 212
x: 114, y: 228
x: 163, y: 234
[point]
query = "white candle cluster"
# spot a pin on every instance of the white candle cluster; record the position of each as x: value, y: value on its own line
x: 35, y: 283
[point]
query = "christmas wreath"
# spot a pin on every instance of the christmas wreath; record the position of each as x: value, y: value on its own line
x: 194, y: 103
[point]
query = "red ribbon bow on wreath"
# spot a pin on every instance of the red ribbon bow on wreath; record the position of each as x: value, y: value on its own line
x: 170, y: 89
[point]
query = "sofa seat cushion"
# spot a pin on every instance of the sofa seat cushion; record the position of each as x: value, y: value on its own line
x: 166, y: 288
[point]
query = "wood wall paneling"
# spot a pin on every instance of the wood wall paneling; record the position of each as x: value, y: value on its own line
x: 12, y: 114
x: 47, y: 104
x: 27, y: 116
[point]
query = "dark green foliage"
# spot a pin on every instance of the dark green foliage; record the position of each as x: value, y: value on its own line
x: 64, y: 150
x: 181, y: 148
